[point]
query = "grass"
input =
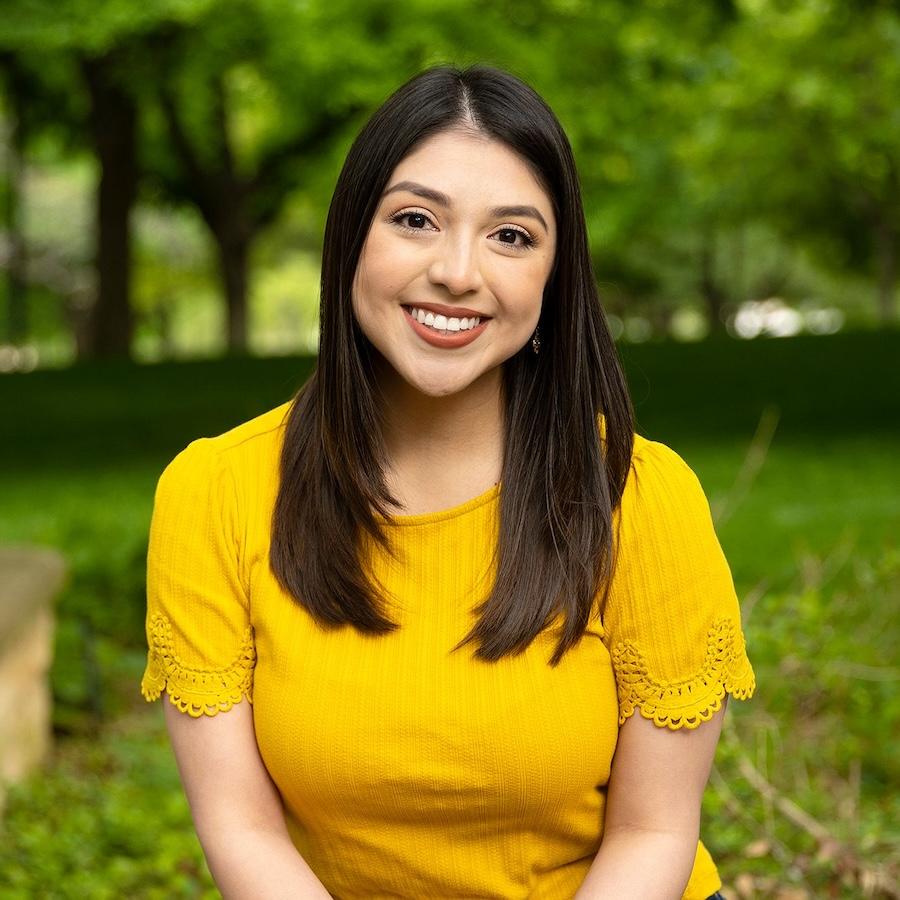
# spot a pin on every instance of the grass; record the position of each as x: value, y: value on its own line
x: 795, y: 441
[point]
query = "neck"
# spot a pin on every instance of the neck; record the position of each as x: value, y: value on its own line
x: 444, y: 434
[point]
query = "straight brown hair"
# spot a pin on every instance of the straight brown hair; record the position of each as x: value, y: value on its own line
x: 560, y: 481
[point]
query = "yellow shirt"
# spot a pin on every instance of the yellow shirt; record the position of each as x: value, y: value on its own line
x: 407, y: 770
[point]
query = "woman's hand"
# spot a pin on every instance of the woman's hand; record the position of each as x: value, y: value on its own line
x: 653, y: 805
x: 237, y: 809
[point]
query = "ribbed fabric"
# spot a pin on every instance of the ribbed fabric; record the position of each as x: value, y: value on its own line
x: 408, y: 770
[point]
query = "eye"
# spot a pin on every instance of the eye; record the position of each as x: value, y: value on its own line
x: 515, y: 237
x: 411, y: 221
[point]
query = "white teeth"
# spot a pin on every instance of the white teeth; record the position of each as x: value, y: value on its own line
x: 443, y: 323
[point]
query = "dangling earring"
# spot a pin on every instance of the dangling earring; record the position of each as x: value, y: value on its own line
x: 536, y: 340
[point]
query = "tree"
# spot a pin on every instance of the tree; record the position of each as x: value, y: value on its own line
x: 16, y: 86
x: 256, y: 98
x: 808, y: 133
x: 199, y: 159
x: 106, y: 45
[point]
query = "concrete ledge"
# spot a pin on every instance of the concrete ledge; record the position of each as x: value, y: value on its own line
x: 30, y: 579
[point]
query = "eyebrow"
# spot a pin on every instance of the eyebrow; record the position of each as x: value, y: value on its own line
x: 428, y: 193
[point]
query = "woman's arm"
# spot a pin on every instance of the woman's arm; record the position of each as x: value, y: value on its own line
x: 653, y: 811
x: 237, y: 810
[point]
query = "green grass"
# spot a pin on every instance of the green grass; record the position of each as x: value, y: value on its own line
x: 809, y: 527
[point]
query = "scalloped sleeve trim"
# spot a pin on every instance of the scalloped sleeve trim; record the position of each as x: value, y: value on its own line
x: 198, y: 692
x: 685, y: 704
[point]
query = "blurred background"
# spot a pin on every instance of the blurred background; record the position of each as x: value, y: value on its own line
x: 165, y: 172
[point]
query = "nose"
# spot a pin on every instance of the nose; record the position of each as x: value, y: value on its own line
x: 456, y: 265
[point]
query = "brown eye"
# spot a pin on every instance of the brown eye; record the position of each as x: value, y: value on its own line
x: 515, y: 237
x: 411, y: 221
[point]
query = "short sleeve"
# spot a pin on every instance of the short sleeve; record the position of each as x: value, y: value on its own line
x: 200, y: 640
x: 671, y: 619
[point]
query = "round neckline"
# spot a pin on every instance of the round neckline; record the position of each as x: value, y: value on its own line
x: 443, y: 515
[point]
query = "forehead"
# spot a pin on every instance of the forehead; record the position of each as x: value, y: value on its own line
x: 474, y: 168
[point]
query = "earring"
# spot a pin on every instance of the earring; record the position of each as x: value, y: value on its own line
x: 536, y: 340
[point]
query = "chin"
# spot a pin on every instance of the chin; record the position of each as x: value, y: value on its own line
x: 438, y: 390
x: 439, y: 387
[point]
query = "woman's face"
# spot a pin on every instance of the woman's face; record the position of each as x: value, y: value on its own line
x: 462, y: 230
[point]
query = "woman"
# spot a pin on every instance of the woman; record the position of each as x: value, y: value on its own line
x: 448, y: 572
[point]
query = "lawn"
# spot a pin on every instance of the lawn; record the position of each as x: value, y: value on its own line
x: 796, y: 442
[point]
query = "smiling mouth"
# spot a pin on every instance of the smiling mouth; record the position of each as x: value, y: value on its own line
x: 444, y: 324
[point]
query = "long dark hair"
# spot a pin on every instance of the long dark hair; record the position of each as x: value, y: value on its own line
x: 560, y: 482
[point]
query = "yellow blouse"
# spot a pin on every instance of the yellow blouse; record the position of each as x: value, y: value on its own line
x: 407, y: 770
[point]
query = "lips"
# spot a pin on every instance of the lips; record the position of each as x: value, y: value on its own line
x: 449, y: 340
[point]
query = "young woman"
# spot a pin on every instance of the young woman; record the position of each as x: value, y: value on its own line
x: 447, y: 572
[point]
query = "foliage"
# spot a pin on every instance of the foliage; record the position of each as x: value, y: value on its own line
x: 801, y: 795
x: 806, y: 133
x: 45, y: 27
x: 108, y: 820
x: 692, y: 126
x: 811, y: 538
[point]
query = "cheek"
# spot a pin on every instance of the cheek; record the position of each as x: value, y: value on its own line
x: 521, y: 287
x: 385, y: 267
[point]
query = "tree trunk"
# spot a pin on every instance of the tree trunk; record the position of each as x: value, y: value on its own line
x: 16, y: 269
x: 233, y: 246
x: 886, y: 242
x: 739, y: 288
x: 710, y: 289
x: 113, y: 121
x: 163, y: 318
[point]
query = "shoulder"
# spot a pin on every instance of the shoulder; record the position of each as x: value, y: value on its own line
x: 665, y: 532
x: 253, y: 444
x: 659, y: 458
x: 661, y: 486
x: 672, y: 617
x: 265, y: 426
x: 217, y: 492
